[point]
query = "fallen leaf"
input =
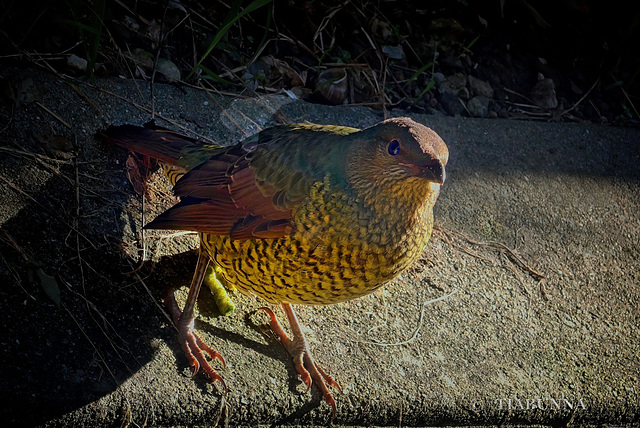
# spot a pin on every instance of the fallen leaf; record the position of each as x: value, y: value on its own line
x: 47, y: 282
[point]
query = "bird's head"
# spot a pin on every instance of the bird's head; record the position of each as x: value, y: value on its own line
x: 397, y: 156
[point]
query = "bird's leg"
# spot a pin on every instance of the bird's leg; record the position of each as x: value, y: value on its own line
x: 191, y: 344
x: 303, y: 361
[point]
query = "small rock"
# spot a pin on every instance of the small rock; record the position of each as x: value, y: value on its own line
x: 131, y: 23
x: 466, y: 59
x: 175, y: 5
x: 478, y: 106
x: 464, y: 94
x: 333, y: 85
x: 168, y: 69
x: 142, y: 59
x: 451, y: 103
x: 451, y: 62
x: 74, y: 62
x: 454, y: 84
x: 480, y: 87
x: 543, y: 94
x: 394, y: 52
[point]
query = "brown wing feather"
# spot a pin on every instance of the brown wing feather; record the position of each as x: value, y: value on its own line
x: 221, y: 196
x: 251, y: 190
x: 199, y: 215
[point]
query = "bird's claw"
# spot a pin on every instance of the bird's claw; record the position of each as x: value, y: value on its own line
x: 304, y: 363
x: 195, y: 356
x: 192, y: 345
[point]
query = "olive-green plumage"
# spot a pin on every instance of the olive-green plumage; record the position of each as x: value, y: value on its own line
x: 298, y: 214
x: 305, y: 214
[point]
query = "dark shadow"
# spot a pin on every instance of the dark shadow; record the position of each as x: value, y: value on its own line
x: 56, y: 359
x: 303, y: 411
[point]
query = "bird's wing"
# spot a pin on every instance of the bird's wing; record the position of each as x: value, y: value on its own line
x: 247, y: 191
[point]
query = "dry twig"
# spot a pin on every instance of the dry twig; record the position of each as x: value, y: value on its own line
x: 418, y: 327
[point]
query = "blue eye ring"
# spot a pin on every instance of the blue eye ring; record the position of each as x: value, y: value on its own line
x: 394, y: 147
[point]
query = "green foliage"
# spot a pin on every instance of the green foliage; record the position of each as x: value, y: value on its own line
x: 429, y: 86
x: 421, y: 70
x: 472, y: 42
x: 234, y: 15
x: 418, y: 73
x: 344, y: 58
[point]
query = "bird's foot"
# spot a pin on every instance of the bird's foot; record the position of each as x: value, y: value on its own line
x: 194, y: 348
x: 298, y: 348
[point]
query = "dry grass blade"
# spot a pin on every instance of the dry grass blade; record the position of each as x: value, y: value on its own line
x: 14, y: 244
x: 323, y: 24
x: 626, y: 95
x: 155, y: 301
x: 581, y: 99
x: 93, y: 345
x: 510, y: 254
x: 58, y: 118
x: 414, y: 335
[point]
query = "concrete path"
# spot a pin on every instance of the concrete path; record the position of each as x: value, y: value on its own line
x: 523, y: 310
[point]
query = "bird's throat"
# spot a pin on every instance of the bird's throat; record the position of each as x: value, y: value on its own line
x: 403, y: 200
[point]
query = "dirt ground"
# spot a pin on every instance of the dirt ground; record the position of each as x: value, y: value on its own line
x: 523, y: 309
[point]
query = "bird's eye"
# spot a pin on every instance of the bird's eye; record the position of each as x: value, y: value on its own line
x: 394, y: 147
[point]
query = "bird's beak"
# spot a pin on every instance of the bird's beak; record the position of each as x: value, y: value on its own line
x: 432, y: 171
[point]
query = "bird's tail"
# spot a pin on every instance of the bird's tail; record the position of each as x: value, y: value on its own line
x: 160, y: 143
